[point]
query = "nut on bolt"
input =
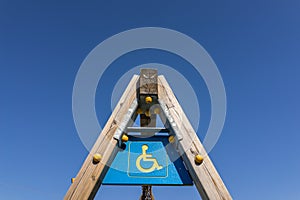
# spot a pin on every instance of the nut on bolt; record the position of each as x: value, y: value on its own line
x: 97, y: 158
x: 139, y: 111
x: 172, y: 139
x: 156, y: 110
x: 124, y: 138
x: 148, y: 113
x: 148, y: 99
x: 199, y: 159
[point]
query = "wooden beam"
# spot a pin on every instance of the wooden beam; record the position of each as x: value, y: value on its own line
x: 206, y: 178
x: 90, y: 176
x: 147, y: 88
x: 148, y: 82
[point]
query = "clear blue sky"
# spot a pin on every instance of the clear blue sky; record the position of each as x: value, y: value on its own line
x: 256, y: 45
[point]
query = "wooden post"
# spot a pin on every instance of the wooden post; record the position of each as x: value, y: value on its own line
x: 205, y: 176
x: 90, y: 176
x: 147, y: 89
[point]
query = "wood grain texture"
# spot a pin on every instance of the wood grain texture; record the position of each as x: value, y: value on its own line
x: 148, y: 86
x: 148, y: 81
x: 90, y: 176
x: 206, y: 178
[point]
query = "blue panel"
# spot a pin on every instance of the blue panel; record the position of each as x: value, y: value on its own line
x: 147, y: 162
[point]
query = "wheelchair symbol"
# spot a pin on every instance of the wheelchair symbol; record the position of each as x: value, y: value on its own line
x: 147, y: 158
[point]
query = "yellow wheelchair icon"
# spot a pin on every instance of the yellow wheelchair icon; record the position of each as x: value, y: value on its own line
x: 147, y: 158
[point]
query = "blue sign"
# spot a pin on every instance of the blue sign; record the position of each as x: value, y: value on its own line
x: 147, y: 162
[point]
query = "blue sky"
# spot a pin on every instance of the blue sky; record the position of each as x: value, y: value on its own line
x: 255, y: 45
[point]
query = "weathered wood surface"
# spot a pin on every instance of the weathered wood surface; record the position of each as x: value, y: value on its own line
x: 148, y: 86
x: 148, y: 81
x: 205, y: 176
x: 90, y: 176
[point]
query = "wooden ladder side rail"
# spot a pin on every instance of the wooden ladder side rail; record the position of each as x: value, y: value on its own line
x: 90, y: 176
x: 206, y: 178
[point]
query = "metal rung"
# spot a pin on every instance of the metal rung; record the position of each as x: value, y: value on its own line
x: 147, y: 129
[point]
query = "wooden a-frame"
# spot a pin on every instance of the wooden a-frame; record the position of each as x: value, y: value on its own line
x: 206, y: 178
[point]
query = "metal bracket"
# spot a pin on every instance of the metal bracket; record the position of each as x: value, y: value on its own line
x: 147, y: 129
x: 170, y: 123
x: 125, y: 122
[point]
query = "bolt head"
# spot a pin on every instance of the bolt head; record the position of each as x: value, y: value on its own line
x: 147, y: 113
x: 157, y: 110
x: 148, y: 99
x: 199, y: 159
x: 139, y: 111
x: 172, y: 139
x: 97, y: 158
x: 124, y: 138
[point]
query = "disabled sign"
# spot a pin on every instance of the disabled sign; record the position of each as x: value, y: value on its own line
x: 147, y: 159
x: 150, y: 161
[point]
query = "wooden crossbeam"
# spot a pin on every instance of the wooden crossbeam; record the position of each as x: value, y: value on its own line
x: 206, y: 178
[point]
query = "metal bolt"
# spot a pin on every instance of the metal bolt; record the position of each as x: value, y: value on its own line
x: 147, y: 113
x: 157, y: 110
x: 172, y: 139
x: 124, y: 138
x: 139, y: 111
x: 199, y: 159
x: 148, y: 99
x: 96, y: 158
